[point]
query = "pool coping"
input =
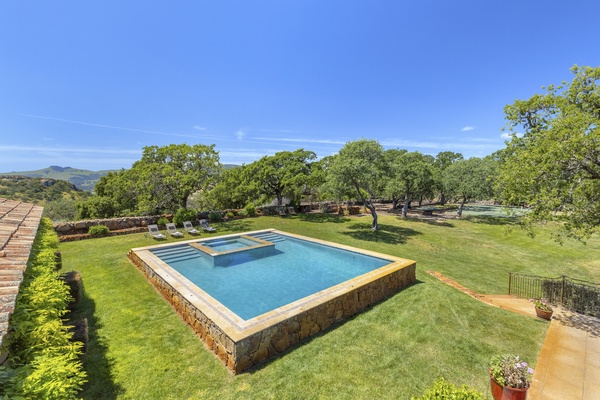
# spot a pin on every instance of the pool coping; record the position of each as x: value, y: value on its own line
x: 237, y: 329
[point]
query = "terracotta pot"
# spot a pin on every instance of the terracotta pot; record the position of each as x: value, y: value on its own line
x: 506, y: 392
x: 543, y: 313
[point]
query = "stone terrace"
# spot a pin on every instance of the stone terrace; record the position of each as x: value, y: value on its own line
x: 18, y: 226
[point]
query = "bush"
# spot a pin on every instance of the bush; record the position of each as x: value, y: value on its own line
x: 43, y: 362
x: 250, y: 209
x: 442, y: 390
x: 98, y: 230
x: 184, y: 214
x: 162, y: 221
x: 229, y: 215
x: 215, y: 216
x: 242, y: 214
x: 96, y: 207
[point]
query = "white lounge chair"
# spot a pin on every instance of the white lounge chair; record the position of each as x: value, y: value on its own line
x: 173, y: 230
x: 204, y: 224
x: 189, y: 228
x: 155, y: 233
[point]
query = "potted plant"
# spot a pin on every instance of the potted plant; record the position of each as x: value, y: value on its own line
x: 510, y: 377
x: 543, y: 308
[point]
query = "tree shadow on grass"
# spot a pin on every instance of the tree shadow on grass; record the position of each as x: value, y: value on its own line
x: 265, y: 363
x: 322, y: 217
x: 427, y: 220
x: 389, y: 234
x: 96, y: 363
x: 233, y: 226
x: 491, y: 220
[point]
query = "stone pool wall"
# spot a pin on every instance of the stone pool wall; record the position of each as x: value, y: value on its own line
x: 241, y: 354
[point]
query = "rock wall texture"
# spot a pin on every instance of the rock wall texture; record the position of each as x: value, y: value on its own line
x: 114, y: 224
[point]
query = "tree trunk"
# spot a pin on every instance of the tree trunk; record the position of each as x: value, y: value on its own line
x: 420, y: 200
x: 371, y: 208
x: 279, y: 199
x: 369, y: 204
x: 442, y: 198
x: 395, y: 203
x: 460, y: 207
x: 406, y: 205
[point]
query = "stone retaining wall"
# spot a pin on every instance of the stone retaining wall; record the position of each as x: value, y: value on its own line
x: 114, y: 224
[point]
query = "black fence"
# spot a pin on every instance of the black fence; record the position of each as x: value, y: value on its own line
x: 573, y: 294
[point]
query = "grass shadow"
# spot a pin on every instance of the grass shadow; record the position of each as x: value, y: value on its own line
x: 491, y: 220
x: 427, y: 220
x: 265, y: 363
x: 322, y: 217
x: 233, y: 226
x: 389, y: 234
x: 100, y: 384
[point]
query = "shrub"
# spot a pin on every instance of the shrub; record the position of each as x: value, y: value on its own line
x: 184, y: 214
x: 215, y: 216
x: 250, y: 209
x: 442, y: 390
x: 42, y: 360
x: 229, y: 215
x: 242, y: 213
x: 96, y: 207
x: 162, y: 221
x: 98, y: 230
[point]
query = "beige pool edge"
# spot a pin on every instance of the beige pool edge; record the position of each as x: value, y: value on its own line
x: 241, y: 344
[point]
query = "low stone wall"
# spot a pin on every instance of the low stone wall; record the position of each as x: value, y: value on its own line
x: 114, y: 224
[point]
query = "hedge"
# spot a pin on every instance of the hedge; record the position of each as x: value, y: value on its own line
x: 43, y: 361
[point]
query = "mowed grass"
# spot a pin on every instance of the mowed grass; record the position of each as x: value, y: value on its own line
x: 140, y: 349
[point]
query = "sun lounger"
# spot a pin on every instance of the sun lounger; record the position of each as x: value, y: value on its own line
x: 189, y: 228
x: 173, y: 230
x: 155, y: 233
x: 204, y: 224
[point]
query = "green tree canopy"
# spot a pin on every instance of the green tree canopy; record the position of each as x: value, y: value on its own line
x: 442, y: 161
x: 552, y: 160
x: 285, y: 174
x: 233, y: 189
x: 412, y: 174
x: 160, y: 182
x: 471, y: 179
x: 359, y: 166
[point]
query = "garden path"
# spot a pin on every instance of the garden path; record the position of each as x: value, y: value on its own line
x: 568, y: 367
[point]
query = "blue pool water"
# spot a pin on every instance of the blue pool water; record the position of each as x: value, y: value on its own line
x: 253, y: 282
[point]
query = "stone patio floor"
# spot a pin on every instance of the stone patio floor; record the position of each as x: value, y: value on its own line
x: 568, y: 367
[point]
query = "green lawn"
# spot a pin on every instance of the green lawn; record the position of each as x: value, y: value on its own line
x: 140, y: 349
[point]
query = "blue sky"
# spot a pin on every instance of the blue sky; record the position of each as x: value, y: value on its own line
x: 88, y: 84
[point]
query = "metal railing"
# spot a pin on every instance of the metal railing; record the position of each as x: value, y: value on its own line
x: 573, y: 294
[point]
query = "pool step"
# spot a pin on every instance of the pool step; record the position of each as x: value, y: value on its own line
x: 268, y: 236
x: 175, y: 254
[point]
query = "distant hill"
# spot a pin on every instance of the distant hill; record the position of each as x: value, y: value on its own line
x: 81, y: 178
x: 38, y: 190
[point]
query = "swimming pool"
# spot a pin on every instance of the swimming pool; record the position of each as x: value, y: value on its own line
x: 251, y: 283
x: 250, y: 296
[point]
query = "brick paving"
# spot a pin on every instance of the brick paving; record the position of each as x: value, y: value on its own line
x: 19, y: 223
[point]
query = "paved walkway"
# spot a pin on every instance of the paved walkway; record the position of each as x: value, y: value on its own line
x: 568, y: 367
x: 569, y: 364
